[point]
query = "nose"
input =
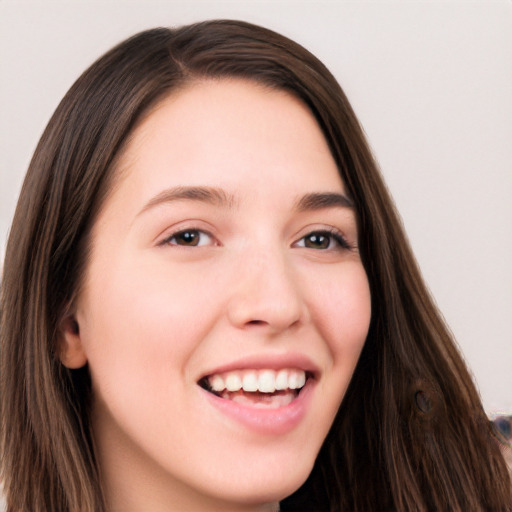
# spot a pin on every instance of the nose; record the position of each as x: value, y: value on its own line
x: 265, y: 294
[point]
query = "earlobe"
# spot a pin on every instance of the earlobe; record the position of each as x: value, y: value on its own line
x: 71, y: 351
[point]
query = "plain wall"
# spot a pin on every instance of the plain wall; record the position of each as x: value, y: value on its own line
x: 430, y: 81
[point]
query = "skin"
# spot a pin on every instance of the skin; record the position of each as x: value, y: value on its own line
x: 155, y: 315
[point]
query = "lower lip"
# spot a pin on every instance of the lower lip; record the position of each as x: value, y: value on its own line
x: 266, y: 421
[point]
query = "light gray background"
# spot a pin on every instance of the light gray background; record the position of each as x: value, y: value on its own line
x: 430, y: 81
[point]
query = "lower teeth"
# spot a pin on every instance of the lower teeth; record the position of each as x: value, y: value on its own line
x: 261, y: 400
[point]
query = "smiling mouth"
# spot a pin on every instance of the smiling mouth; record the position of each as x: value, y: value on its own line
x: 269, y: 389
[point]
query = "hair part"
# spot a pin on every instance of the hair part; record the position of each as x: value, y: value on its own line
x: 411, y: 433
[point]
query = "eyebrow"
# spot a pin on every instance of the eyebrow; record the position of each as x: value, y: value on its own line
x: 219, y: 197
x: 210, y: 195
x: 320, y: 200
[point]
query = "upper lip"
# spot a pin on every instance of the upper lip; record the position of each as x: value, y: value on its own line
x: 267, y: 361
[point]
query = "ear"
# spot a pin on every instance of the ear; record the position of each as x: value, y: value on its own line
x: 71, y: 351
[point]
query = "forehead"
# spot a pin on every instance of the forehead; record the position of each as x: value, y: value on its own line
x: 228, y: 133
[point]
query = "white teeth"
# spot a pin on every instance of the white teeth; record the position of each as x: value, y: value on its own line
x: 267, y: 381
x: 217, y: 383
x: 264, y: 381
x: 250, y: 382
x: 301, y: 380
x: 296, y: 380
x: 282, y: 380
x: 233, y: 382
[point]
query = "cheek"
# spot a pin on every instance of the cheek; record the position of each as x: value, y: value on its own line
x: 143, y: 321
x: 341, y: 305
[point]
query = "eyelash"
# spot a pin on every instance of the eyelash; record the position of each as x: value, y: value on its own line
x: 331, y: 234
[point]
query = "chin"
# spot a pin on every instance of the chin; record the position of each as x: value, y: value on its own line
x: 274, y: 484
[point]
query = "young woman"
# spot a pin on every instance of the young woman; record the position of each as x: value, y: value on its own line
x: 208, y: 301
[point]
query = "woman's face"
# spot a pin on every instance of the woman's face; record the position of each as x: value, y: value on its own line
x: 226, y: 256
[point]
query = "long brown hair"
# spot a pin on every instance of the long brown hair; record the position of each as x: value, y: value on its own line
x: 411, y: 433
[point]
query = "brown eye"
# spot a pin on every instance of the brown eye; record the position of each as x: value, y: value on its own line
x: 323, y: 240
x: 189, y: 238
x: 317, y: 241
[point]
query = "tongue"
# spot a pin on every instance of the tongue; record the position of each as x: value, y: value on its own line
x: 261, y: 400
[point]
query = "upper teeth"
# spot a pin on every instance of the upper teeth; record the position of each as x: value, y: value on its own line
x: 264, y: 381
